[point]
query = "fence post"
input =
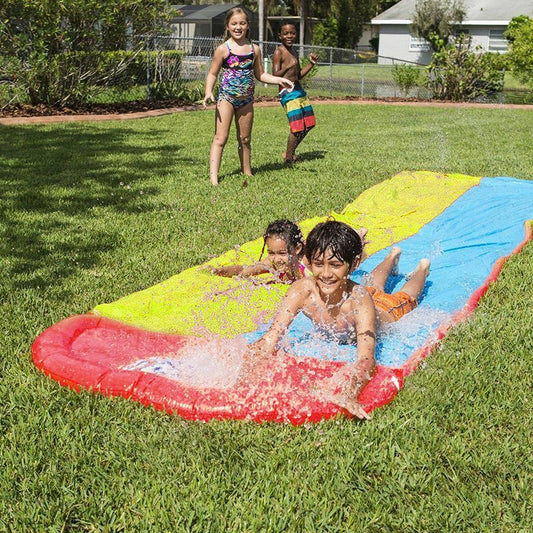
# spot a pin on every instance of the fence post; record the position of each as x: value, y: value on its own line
x: 148, y: 81
x: 331, y: 71
x: 363, y: 81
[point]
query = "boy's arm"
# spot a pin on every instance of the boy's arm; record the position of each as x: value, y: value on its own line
x: 278, y: 69
x: 313, y: 60
x: 365, y: 324
x: 265, y: 347
x: 265, y: 77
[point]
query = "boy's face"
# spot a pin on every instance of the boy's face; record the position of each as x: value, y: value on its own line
x: 330, y: 273
x: 287, y: 35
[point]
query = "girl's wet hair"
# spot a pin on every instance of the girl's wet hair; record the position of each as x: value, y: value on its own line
x: 229, y: 14
x: 342, y: 240
x: 289, y: 232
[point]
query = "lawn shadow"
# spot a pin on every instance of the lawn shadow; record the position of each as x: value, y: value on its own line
x: 56, y: 182
x: 281, y: 165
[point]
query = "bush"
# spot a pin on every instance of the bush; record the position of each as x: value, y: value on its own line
x: 459, y: 73
x: 406, y: 77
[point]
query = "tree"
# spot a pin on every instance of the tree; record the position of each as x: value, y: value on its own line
x: 436, y: 20
x: 520, y: 56
x: 54, y: 49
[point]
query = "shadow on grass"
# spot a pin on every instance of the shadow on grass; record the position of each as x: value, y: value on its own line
x: 57, y: 189
x: 280, y: 165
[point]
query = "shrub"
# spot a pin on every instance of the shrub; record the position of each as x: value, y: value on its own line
x: 459, y: 73
x: 406, y: 77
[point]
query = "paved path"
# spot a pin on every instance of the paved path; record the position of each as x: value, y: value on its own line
x: 50, y: 119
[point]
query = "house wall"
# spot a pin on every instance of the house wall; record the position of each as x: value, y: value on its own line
x: 396, y: 42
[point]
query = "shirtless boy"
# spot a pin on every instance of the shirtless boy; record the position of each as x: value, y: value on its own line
x: 341, y: 308
x: 286, y: 64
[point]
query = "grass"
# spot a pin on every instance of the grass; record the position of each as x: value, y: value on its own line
x: 94, y: 211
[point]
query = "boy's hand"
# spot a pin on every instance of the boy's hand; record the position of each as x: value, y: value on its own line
x: 355, y: 408
x: 253, y: 360
x: 313, y: 59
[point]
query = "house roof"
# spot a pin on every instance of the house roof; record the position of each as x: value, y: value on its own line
x: 478, y: 12
x: 202, y: 12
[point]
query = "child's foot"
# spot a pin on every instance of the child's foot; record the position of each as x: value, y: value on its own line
x: 290, y: 160
x: 394, y: 254
x: 423, y: 266
x: 214, y: 181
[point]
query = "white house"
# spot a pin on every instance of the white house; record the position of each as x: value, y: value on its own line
x: 485, y: 21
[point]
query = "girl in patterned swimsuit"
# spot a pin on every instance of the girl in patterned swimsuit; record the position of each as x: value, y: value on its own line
x: 240, y: 62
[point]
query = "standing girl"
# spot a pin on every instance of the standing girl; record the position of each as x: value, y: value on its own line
x: 240, y: 61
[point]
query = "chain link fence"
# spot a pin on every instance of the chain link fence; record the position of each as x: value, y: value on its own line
x: 340, y: 73
x: 166, y: 68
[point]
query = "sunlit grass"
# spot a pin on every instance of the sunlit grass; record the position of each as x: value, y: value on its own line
x: 91, y: 212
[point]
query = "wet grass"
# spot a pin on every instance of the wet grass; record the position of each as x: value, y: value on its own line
x: 91, y: 212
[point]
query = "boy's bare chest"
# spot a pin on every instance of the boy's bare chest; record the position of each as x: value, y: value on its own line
x: 336, y: 318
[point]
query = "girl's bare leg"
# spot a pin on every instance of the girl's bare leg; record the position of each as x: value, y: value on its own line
x: 223, y: 117
x: 417, y: 279
x: 379, y: 276
x: 244, y: 119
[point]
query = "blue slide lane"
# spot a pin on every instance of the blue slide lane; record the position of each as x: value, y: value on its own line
x: 463, y: 244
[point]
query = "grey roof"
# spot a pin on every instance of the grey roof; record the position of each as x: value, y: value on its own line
x: 478, y: 12
x: 202, y: 12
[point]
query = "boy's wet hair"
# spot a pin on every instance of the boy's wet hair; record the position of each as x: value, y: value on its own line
x: 235, y: 11
x: 289, y: 232
x: 342, y: 240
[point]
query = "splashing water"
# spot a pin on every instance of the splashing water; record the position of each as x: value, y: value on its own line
x: 213, y: 363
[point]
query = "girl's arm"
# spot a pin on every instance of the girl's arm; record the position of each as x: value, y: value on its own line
x: 241, y: 270
x: 263, y: 76
x: 212, y: 75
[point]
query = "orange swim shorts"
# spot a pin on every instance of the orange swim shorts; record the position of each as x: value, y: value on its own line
x: 395, y: 305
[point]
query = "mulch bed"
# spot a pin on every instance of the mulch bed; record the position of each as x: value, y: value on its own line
x: 151, y: 107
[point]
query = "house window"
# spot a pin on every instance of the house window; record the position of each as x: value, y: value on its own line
x: 497, y: 42
x: 417, y: 44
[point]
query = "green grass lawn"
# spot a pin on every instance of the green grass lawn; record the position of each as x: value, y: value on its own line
x: 94, y: 211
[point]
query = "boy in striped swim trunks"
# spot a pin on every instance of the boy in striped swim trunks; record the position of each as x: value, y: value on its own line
x: 285, y: 63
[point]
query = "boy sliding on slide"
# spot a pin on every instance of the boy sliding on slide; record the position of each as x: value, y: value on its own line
x: 342, y: 309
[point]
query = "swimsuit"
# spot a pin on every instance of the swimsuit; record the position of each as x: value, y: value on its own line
x: 238, y: 83
x: 395, y: 305
x: 298, y: 108
x: 303, y: 271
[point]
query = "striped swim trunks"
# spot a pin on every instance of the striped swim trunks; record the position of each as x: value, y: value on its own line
x: 298, y: 108
x: 395, y: 305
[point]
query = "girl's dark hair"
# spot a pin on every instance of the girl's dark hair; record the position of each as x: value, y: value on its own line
x: 235, y: 11
x: 343, y: 241
x: 289, y: 232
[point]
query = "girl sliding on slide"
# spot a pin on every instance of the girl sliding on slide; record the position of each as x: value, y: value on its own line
x: 284, y: 244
